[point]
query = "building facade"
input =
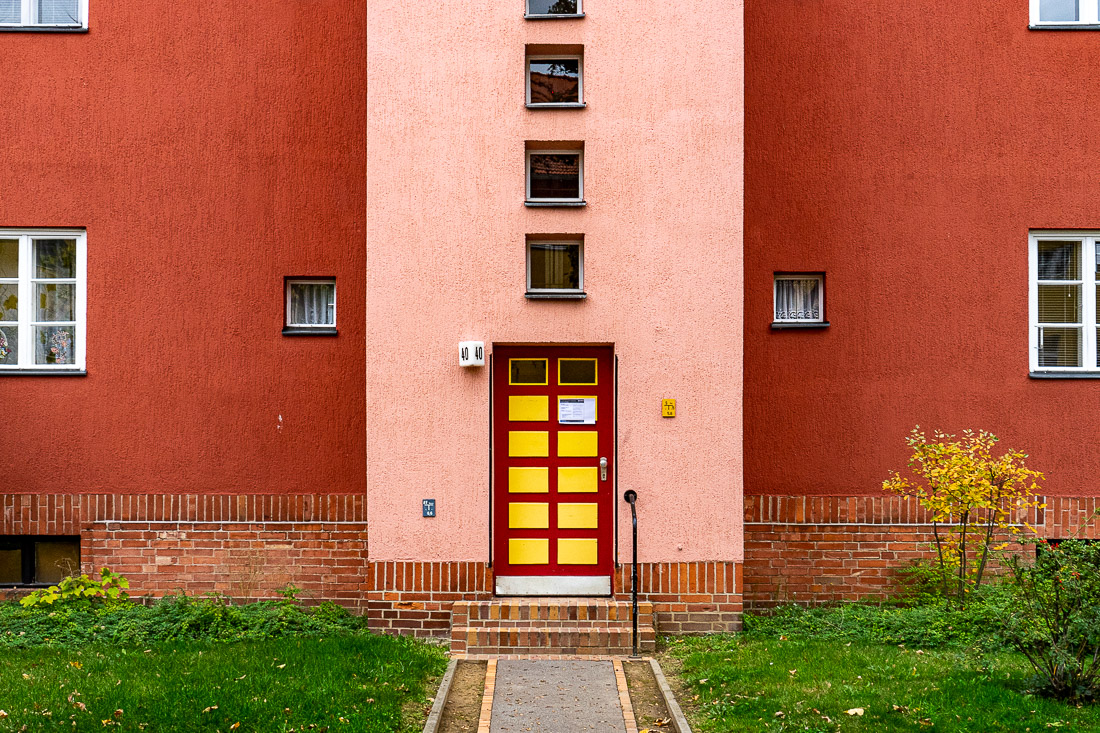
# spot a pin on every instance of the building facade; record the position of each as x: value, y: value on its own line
x: 240, y: 258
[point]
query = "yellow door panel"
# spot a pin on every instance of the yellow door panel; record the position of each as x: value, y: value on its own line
x: 530, y: 480
x: 528, y: 408
x: 576, y: 552
x: 576, y: 516
x: 529, y: 552
x: 529, y: 444
x: 524, y: 515
x: 581, y: 444
x: 578, y: 480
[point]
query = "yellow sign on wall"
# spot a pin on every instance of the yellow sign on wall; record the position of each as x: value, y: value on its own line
x: 668, y: 408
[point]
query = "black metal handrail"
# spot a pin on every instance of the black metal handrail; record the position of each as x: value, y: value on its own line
x: 631, y: 497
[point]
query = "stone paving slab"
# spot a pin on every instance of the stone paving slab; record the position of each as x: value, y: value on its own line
x: 553, y: 696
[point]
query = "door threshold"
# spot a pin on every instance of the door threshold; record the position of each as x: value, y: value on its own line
x: 553, y: 585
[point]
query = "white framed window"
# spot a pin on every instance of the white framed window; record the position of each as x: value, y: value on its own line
x: 555, y: 81
x: 1062, y: 301
x: 43, y: 299
x: 799, y: 298
x: 555, y: 176
x: 555, y: 267
x: 1064, y: 13
x: 44, y: 14
x: 554, y: 9
x: 310, y: 305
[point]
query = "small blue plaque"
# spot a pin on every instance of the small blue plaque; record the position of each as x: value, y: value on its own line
x: 429, y: 507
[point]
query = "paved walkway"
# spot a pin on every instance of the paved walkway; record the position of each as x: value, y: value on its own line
x: 555, y: 696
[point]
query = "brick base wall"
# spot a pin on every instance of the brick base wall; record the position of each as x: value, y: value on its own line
x: 416, y: 597
x: 246, y: 547
x: 803, y: 549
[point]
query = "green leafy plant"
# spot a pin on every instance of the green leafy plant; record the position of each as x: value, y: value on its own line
x: 1055, y: 619
x: 971, y: 494
x: 80, y: 590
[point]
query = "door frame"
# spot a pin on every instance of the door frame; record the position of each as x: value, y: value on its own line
x: 563, y: 585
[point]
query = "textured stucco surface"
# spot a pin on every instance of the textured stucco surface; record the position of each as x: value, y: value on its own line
x: 445, y: 236
x: 209, y: 152
x: 907, y: 153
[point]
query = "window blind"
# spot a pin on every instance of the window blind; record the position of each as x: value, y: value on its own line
x: 59, y: 12
x: 9, y: 11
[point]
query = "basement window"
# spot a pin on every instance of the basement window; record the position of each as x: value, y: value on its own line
x: 799, y: 300
x: 44, y: 15
x: 38, y: 560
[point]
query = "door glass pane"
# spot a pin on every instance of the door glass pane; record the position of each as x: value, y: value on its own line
x: 1059, y: 304
x: 527, y: 371
x: 9, y: 344
x: 55, y: 258
x: 555, y: 80
x: 576, y: 371
x: 555, y: 176
x: 56, y: 560
x: 64, y: 12
x: 312, y: 304
x: 1059, y: 260
x: 551, y: 7
x: 55, y: 302
x: 1053, y: 10
x: 9, y: 258
x: 555, y: 266
x: 1059, y: 347
x: 54, y: 345
x: 11, y: 567
x: 9, y: 302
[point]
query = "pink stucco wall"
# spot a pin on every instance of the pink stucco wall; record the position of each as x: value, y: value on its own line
x: 446, y: 227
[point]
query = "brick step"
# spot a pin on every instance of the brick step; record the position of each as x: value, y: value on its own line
x: 517, y: 612
x: 553, y: 640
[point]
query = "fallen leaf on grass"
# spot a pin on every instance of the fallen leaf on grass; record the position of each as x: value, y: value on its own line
x: 235, y: 726
x: 3, y: 714
x: 662, y: 722
x: 280, y: 666
x: 854, y: 711
x: 780, y: 714
x: 212, y: 707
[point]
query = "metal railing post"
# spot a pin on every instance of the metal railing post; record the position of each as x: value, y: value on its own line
x: 631, y: 497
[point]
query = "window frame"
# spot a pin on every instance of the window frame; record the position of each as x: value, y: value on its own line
x: 547, y: 16
x: 820, y: 321
x: 26, y: 545
x: 308, y: 329
x: 1090, y: 245
x: 27, y: 320
x: 579, y: 58
x: 580, y: 177
x: 28, y: 11
x: 557, y: 292
x: 1088, y: 12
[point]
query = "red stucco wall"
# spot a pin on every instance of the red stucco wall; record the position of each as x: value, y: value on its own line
x: 906, y: 150
x: 209, y: 150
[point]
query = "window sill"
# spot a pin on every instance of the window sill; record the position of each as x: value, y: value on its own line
x: 1064, y: 27
x: 295, y: 331
x: 1064, y: 375
x: 43, y: 373
x: 553, y: 16
x: 557, y: 105
x: 555, y: 296
x: 42, y: 29
x: 779, y: 325
x: 557, y: 204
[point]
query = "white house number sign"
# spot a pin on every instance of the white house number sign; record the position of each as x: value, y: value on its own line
x: 471, y: 353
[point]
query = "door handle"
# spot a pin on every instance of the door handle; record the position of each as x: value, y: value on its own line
x: 603, y: 469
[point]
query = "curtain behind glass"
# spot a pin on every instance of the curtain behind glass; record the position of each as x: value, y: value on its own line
x: 312, y: 304
x: 63, y: 12
x: 798, y: 300
x: 9, y: 11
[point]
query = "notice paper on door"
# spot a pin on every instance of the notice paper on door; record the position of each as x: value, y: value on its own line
x: 577, y: 410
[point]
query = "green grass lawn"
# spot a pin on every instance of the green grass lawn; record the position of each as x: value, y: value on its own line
x: 350, y: 683
x: 743, y: 683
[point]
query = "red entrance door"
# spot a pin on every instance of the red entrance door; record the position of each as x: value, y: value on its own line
x: 553, y: 448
